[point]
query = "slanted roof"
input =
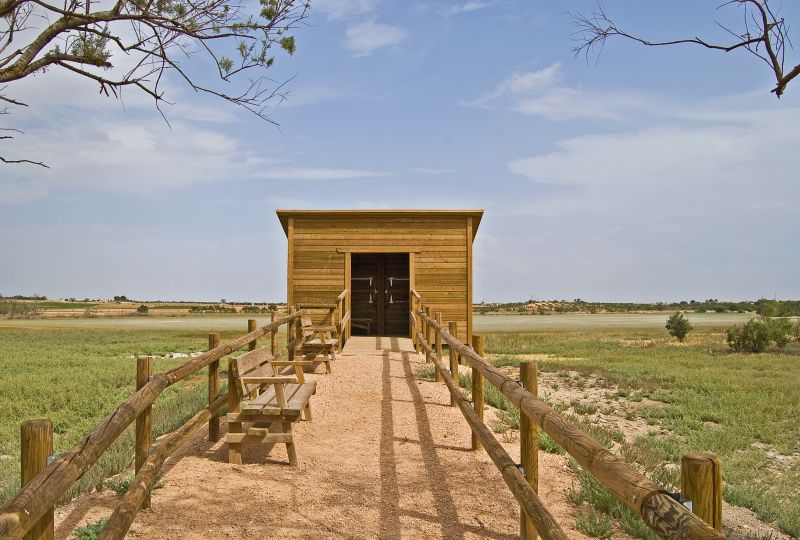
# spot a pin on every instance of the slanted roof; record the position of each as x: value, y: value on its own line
x: 284, y: 215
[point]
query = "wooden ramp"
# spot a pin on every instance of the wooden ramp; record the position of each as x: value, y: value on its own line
x: 377, y: 345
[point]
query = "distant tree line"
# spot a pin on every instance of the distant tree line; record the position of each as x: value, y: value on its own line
x: 23, y: 297
x: 763, y: 306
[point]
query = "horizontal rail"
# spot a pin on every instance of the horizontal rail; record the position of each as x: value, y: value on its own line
x: 546, y: 524
x: 125, y: 512
x: 666, y: 516
x: 316, y: 306
x: 19, y: 514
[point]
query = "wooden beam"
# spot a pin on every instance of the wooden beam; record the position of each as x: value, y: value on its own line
x: 477, y: 388
x: 144, y: 422
x: 453, y: 327
x: 214, y: 385
x: 36, y: 445
x: 378, y: 249
x: 125, y: 512
x: 19, y: 514
x: 525, y: 495
x: 701, y: 483
x: 666, y: 516
x: 529, y: 445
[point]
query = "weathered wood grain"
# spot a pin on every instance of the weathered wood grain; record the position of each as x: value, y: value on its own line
x: 125, y: 512
x: 523, y: 492
x: 36, y: 445
x: 666, y: 516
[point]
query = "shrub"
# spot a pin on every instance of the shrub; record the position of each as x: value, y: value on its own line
x: 678, y: 326
x: 143, y: 310
x: 91, y: 531
x: 272, y: 307
x: 756, y: 334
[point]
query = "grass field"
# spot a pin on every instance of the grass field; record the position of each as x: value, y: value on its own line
x: 744, y: 408
x: 75, y: 374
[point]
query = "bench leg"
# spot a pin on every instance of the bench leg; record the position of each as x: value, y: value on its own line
x: 307, y: 413
x: 287, y: 428
x: 234, y: 448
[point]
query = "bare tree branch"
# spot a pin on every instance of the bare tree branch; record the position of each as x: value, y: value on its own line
x: 155, y: 37
x: 764, y: 34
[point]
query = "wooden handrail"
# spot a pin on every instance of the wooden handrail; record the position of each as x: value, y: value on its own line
x: 666, y: 516
x: 19, y: 514
x: 416, y: 294
x: 125, y: 512
x: 546, y: 524
x: 342, y: 295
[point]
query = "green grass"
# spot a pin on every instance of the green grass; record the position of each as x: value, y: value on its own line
x: 604, y: 504
x: 77, y: 376
x: 735, y: 405
x: 91, y: 531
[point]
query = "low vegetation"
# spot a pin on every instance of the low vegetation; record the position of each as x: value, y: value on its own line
x: 678, y: 326
x: 757, y: 334
x: 76, y: 376
x: 700, y: 397
x: 91, y: 531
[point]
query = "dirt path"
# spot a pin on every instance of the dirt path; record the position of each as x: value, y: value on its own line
x: 385, y: 456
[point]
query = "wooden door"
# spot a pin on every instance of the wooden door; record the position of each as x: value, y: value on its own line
x: 380, y: 289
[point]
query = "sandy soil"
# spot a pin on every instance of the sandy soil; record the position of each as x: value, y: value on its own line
x: 385, y: 456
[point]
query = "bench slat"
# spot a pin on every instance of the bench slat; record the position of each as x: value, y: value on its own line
x: 252, y: 360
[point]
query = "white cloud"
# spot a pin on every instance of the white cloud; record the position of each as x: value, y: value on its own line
x: 340, y: 9
x: 671, y: 170
x: 545, y: 93
x: 468, y: 7
x: 113, y: 153
x: 365, y: 38
x: 311, y: 173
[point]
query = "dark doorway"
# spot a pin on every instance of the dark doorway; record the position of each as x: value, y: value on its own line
x: 380, y: 290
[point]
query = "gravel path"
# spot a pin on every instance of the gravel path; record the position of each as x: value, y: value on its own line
x: 385, y: 457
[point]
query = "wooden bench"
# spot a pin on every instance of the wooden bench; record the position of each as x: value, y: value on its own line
x: 318, y: 340
x: 263, y: 402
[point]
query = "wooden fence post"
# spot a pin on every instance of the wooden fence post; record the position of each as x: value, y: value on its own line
x: 701, y: 483
x: 529, y: 445
x: 290, y: 335
x: 273, y: 336
x: 453, y: 328
x: 144, y: 422
x: 477, y: 387
x: 36, y: 445
x: 411, y: 326
x: 251, y: 326
x: 213, y: 388
x: 427, y: 333
x: 437, y: 374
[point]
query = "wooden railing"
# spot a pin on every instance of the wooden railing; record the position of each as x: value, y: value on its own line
x: 659, y: 510
x: 36, y: 499
x: 343, y: 318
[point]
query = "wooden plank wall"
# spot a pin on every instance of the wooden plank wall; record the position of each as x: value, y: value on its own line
x: 441, y: 246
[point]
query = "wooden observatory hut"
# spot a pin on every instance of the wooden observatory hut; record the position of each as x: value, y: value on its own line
x: 379, y: 256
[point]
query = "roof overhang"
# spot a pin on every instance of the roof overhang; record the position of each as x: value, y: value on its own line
x: 284, y: 215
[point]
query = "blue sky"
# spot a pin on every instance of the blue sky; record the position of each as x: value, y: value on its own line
x: 652, y: 174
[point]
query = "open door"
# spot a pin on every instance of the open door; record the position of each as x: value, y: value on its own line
x: 380, y: 292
